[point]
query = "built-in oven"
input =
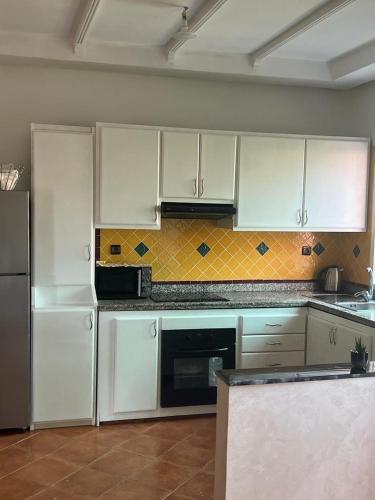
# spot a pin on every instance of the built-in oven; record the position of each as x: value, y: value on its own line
x: 189, y: 360
x: 120, y: 281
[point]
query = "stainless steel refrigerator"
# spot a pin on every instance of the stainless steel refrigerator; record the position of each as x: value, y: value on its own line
x: 14, y: 310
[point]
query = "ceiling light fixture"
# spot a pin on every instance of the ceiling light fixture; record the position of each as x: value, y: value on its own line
x: 184, y: 32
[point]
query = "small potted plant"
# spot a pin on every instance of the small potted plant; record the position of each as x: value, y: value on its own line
x: 359, y: 356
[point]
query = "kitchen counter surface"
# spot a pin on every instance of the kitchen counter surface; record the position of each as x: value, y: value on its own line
x: 291, y: 374
x: 248, y: 300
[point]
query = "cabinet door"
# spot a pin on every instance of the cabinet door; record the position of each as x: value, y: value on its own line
x: 217, y: 167
x: 336, y: 184
x: 63, y: 365
x: 320, y: 348
x: 62, y: 185
x: 180, y: 157
x: 345, y: 339
x: 128, y: 177
x: 270, y: 183
x: 135, y: 370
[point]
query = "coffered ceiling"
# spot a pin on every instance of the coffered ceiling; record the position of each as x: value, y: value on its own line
x: 328, y: 43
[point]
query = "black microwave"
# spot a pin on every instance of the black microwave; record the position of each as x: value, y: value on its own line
x: 116, y: 282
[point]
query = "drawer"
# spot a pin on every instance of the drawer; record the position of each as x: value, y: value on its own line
x: 272, y: 359
x: 267, y: 343
x: 271, y: 324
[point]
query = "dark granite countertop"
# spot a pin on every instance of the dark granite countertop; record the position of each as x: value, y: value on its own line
x: 249, y: 300
x: 291, y: 374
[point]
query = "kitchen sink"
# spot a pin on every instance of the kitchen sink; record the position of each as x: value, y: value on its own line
x: 357, y: 306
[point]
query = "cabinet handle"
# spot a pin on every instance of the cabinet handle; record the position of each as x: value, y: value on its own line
x: 91, y: 321
x: 334, y: 330
x: 274, y: 324
x: 329, y: 335
x: 273, y: 343
x: 274, y: 364
x: 88, y: 252
x: 155, y: 330
x: 305, y: 217
x: 195, y: 186
x: 202, y: 187
x: 155, y: 214
x: 299, y: 217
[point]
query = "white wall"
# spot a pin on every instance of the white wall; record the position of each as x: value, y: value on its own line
x: 362, y: 113
x: 82, y: 97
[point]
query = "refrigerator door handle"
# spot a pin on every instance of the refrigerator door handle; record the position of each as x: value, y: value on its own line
x: 91, y: 321
x: 88, y: 252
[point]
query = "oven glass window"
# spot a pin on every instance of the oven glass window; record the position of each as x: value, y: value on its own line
x: 196, y: 373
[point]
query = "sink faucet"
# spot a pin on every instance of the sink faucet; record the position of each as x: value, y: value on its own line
x: 367, y: 295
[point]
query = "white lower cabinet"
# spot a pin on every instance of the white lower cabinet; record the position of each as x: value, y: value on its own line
x: 331, y: 338
x: 135, y: 364
x: 63, y: 364
x: 273, y: 337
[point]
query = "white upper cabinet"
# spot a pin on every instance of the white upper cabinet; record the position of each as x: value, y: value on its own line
x: 62, y: 205
x: 336, y: 185
x: 127, y: 177
x: 198, y: 166
x: 180, y: 164
x: 217, y: 167
x: 270, y: 183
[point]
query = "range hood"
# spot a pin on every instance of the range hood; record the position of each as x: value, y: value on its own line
x: 180, y: 210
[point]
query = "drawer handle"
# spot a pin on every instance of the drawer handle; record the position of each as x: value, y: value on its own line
x: 274, y: 324
x: 273, y: 343
x: 274, y: 364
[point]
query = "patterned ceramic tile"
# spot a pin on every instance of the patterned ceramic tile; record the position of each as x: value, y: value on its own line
x: 203, y: 249
x: 141, y: 249
x: 262, y: 248
x: 318, y: 249
x: 356, y: 251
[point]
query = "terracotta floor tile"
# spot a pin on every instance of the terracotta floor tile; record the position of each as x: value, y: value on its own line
x: 81, y: 452
x: 175, y: 430
x: 133, y: 425
x: 12, y: 459
x: 54, y: 493
x: 110, y: 436
x: 15, y: 489
x: 150, y: 446
x: 210, y: 467
x: 135, y: 490
x: 87, y: 482
x: 176, y: 496
x: 164, y: 475
x: 184, y: 453
x: 121, y: 463
x: 202, y: 439
x: 45, y: 471
x: 9, y: 438
x: 73, y: 432
x: 42, y: 443
x: 201, y: 486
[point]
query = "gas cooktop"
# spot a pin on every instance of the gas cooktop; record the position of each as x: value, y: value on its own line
x: 188, y: 297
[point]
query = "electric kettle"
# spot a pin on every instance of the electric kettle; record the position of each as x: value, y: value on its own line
x: 330, y: 278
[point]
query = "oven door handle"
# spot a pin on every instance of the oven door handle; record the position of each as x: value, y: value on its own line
x: 201, y: 351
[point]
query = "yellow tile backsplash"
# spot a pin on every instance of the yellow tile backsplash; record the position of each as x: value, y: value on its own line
x: 173, y: 253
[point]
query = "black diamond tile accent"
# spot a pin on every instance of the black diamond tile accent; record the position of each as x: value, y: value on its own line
x: 262, y: 248
x: 141, y: 249
x: 318, y: 249
x: 203, y: 249
x: 356, y: 251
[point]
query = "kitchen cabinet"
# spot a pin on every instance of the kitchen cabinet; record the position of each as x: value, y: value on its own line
x: 198, y: 166
x: 62, y: 201
x: 273, y: 337
x: 135, y: 367
x: 270, y: 183
x: 63, y: 365
x: 330, y: 339
x: 127, y: 194
x: 336, y: 184
x: 180, y: 164
x: 217, y: 167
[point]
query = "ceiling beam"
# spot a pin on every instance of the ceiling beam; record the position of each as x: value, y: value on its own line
x: 315, y: 17
x: 83, y: 23
x: 209, y: 8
